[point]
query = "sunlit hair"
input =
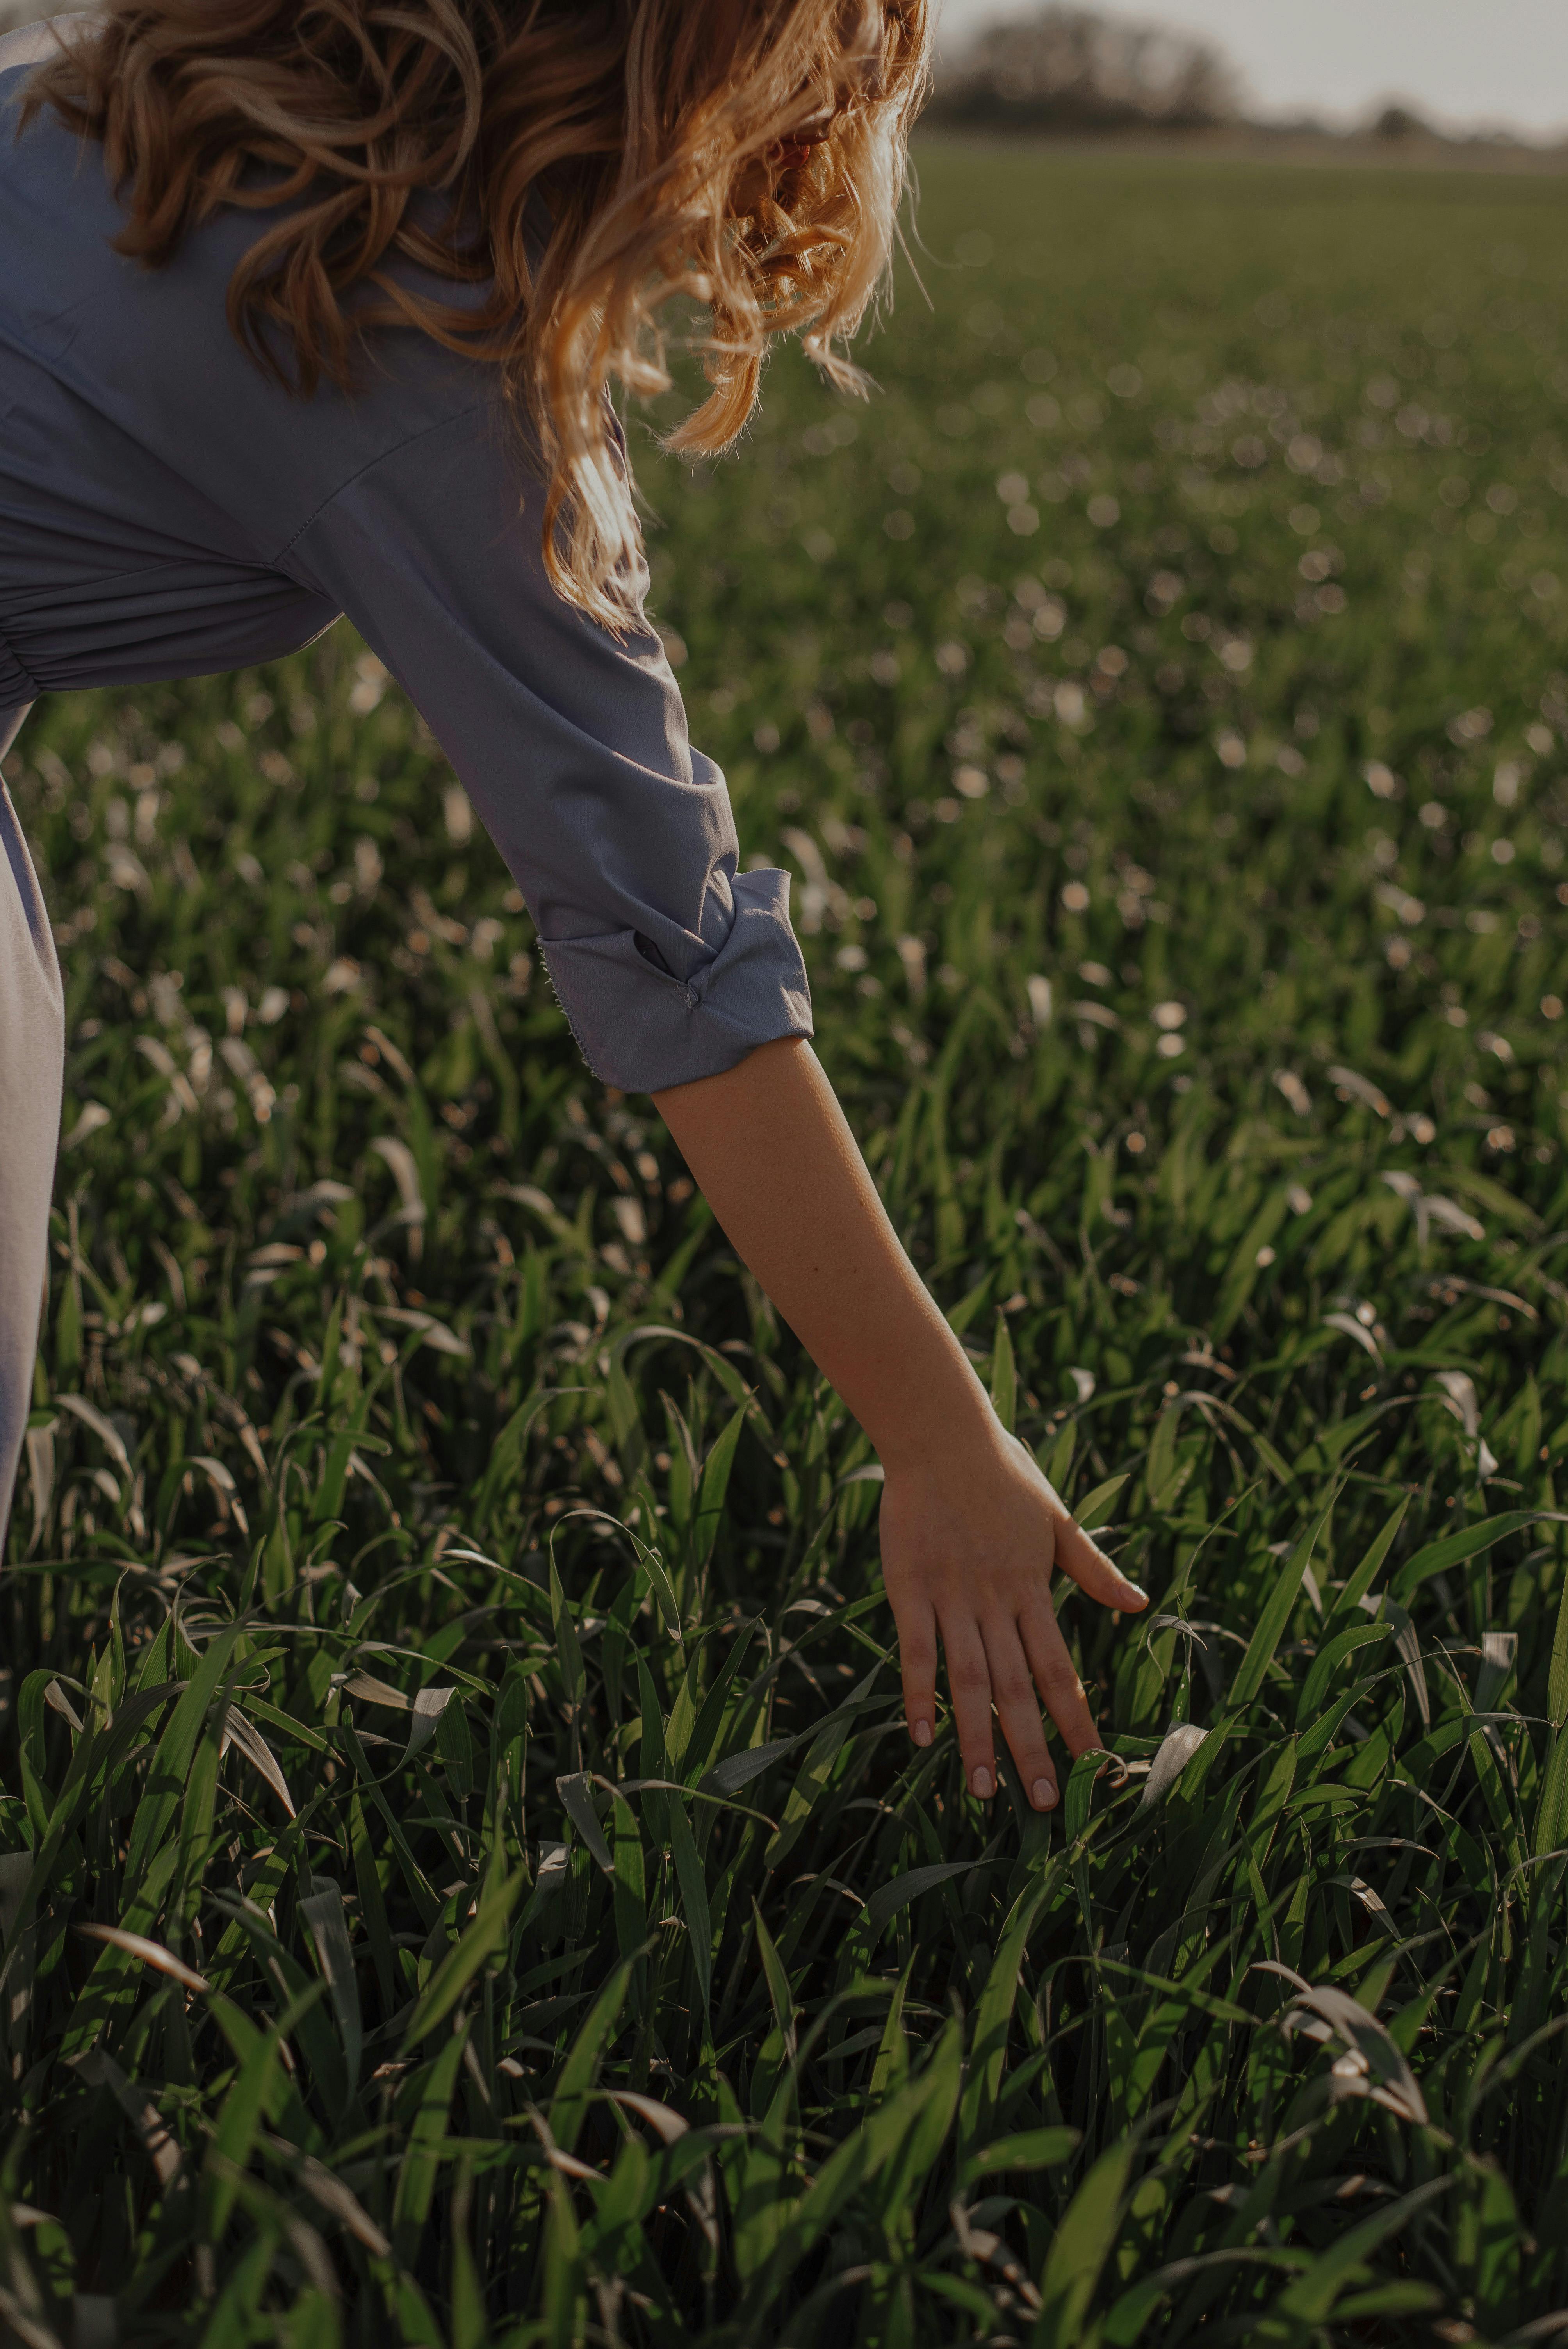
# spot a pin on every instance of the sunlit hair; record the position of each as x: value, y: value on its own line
x: 591, y: 160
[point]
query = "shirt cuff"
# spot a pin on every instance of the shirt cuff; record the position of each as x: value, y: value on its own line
x: 640, y: 1028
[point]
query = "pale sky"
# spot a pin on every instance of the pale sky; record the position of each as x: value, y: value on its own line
x: 1485, y: 62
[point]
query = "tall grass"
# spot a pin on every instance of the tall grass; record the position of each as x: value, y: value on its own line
x: 464, y: 1878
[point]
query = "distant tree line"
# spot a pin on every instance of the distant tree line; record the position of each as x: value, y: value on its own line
x: 1064, y: 68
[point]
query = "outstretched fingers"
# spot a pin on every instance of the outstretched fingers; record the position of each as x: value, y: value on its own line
x: 917, y: 1660
x: 1019, y: 1709
x: 969, y: 1683
x: 1057, y: 1682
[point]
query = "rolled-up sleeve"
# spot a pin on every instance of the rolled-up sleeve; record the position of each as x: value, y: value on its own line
x: 669, y: 962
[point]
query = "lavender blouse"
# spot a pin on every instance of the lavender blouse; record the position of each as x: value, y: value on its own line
x: 166, y: 510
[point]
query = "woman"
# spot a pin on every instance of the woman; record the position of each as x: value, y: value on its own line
x: 316, y: 309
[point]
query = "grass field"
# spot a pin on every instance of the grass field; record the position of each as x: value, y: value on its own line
x: 443, y: 1605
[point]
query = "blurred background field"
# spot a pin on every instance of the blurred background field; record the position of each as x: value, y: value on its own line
x: 532, y: 1924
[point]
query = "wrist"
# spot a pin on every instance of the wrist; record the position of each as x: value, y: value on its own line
x: 950, y: 1426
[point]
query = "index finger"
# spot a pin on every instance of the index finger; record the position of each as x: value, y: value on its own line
x: 1096, y: 1575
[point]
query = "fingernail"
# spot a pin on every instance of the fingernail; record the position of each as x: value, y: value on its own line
x: 1045, y: 1795
x: 920, y: 1733
x: 981, y: 1782
x: 1136, y: 1587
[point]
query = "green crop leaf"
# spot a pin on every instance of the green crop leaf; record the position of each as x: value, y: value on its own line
x: 427, y: 2129
x: 570, y: 2103
x: 1004, y: 1376
x: 889, y: 1898
x: 1081, y: 2248
x: 323, y: 1912
x: 694, y: 1900
x: 1552, y: 1814
x: 577, y: 1793
x: 1312, y: 2297
x: 1455, y: 1549
x: 566, y: 1643
x: 1095, y: 1508
x: 249, y: 2100
x: 1557, y: 1678
x: 1366, y: 1573
x: 160, y: 1805
x: 715, y: 1484
x: 1029, y: 2150
x: 480, y: 1941
x: 1278, y: 1609
x: 988, y: 2048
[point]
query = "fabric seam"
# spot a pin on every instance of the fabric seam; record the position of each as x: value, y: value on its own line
x: 565, y: 1011
x: 394, y: 450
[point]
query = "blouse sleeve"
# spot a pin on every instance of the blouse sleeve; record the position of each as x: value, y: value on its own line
x: 670, y: 963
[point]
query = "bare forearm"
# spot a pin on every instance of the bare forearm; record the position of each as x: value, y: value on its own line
x: 772, y: 1152
x: 969, y: 1527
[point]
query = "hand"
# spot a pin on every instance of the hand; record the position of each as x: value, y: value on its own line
x: 968, y: 1544
x: 970, y: 1528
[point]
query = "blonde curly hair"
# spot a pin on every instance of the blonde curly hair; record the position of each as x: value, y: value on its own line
x: 593, y: 161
